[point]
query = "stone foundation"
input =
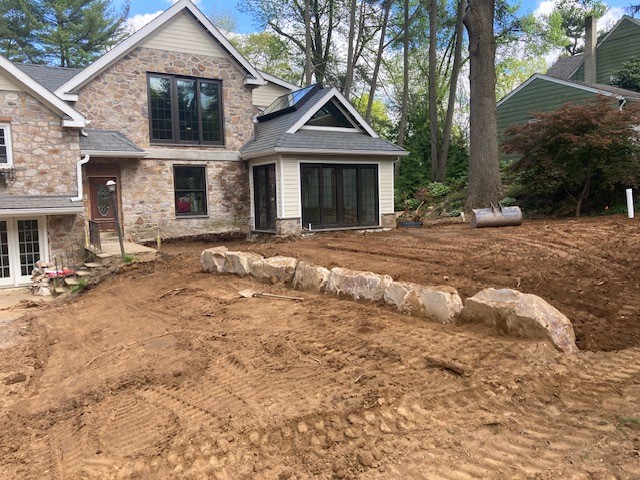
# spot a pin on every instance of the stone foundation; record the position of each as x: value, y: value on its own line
x: 388, y: 220
x: 288, y: 226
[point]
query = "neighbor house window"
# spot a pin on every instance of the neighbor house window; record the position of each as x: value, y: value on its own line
x: 190, y: 190
x: 5, y: 146
x: 185, y: 110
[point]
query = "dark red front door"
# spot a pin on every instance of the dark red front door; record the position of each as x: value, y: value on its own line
x: 102, y: 204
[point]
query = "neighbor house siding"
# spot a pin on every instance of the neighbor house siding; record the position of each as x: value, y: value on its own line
x: 539, y: 96
x: 622, y: 44
x: 7, y: 84
x: 264, y: 95
x: 185, y: 34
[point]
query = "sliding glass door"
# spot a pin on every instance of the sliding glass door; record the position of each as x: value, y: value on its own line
x: 335, y: 196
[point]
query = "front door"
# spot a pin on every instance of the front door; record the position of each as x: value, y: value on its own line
x: 264, y: 196
x: 21, y: 246
x: 101, y: 203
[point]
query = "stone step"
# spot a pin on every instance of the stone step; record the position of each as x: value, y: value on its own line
x: 93, y: 265
x: 84, y: 273
x: 71, y: 281
x: 60, y: 290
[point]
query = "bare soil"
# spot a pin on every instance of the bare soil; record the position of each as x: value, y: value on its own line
x: 162, y: 371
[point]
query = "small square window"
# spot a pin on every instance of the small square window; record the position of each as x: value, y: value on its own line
x: 6, y: 157
x: 190, y: 189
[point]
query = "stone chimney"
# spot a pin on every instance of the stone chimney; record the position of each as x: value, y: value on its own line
x: 590, y: 40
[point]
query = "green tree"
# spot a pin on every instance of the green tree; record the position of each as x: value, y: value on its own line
x: 566, y: 23
x: 628, y: 76
x: 74, y: 33
x: 17, y: 32
x: 271, y: 54
x: 379, y: 117
x: 577, y: 149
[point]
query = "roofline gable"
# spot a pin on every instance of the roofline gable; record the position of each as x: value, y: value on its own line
x: 279, y: 81
x: 66, y: 91
x: 333, y: 93
x: 76, y: 119
x: 606, y: 37
x: 560, y: 81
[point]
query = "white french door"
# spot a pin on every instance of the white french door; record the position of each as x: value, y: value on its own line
x: 22, y: 244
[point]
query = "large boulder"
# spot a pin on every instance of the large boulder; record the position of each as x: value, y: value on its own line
x: 309, y: 277
x: 438, y: 304
x: 241, y: 263
x: 274, y: 269
x: 213, y: 260
x: 356, y: 284
x: 522, y: 315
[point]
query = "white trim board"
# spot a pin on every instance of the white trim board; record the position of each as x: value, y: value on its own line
x: 68, y: 90
x: 75, y: 118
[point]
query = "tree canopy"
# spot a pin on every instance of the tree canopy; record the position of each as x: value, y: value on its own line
x: 64, y: 33
x: 628, y: 76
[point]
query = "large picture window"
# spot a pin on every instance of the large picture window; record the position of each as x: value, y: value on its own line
x: 335, y: 195
x: 5, y: 146
x: 185, y: 110
x: 190, y: 191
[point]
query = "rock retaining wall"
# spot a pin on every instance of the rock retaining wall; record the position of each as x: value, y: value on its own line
x: 510, y: 311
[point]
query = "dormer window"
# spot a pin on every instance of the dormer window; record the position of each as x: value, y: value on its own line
x: 185, y: 110
x: 330, y: 116
x: 6, y: 157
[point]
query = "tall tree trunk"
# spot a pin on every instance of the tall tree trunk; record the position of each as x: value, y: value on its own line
x: 348, y: 78
x: 386, y: 6
x: 402, y: 129
x: 485, y: 185
x: 308, y: 62
x: 443, y: 155
x: 436, y: 174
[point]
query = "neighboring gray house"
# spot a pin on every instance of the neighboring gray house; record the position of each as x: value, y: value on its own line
x: 170, y: 115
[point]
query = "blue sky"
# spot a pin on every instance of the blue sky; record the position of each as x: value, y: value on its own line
x: 143, y: 11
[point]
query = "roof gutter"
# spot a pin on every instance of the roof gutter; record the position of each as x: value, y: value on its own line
x: 376, y: 153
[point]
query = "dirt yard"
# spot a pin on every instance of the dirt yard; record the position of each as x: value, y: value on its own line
x: 162, y: 371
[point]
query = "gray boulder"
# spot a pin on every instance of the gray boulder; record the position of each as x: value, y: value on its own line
x: 241, y: 263
x: 356, y: 284
x: 213, y: 260
x: 274, y: 269
x: 438, y: 304
x: 309, y: 277
x: 522, y: 315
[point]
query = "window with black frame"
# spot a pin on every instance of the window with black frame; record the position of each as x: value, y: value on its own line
x: 185, y: 110
x: 190, y: 191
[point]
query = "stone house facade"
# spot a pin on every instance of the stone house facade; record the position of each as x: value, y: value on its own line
x: 166, y: 115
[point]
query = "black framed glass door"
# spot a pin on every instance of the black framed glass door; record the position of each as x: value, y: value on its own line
x: 335, y: 196
x: 264, y: 196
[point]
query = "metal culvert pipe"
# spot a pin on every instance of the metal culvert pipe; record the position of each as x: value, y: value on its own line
x: 496, y: 217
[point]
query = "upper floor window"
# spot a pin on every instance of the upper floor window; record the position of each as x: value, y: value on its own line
x: 185, y: 110
x: 6, y: 159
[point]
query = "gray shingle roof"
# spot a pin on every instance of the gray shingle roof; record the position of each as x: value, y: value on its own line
x: 107, y: 141
x: 44, y: 203
x: 49, y: 77
x: 565, y: 66
x: 271, y: 135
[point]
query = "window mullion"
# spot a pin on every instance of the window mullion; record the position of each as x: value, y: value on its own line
x: 175, y: 115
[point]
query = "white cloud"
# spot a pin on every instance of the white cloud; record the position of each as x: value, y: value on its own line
x: 138, y: 21
x: 544, y: 8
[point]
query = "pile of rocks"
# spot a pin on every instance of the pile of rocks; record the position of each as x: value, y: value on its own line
x: 41, y: 279
x: 509, y: 311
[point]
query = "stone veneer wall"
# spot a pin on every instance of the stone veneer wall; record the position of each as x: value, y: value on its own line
x: 44, y: 153
x: 147, y: 198
x: 117, y: 98
x: 63, y: 232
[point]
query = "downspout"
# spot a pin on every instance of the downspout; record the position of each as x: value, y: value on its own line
x: 79, y: 165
